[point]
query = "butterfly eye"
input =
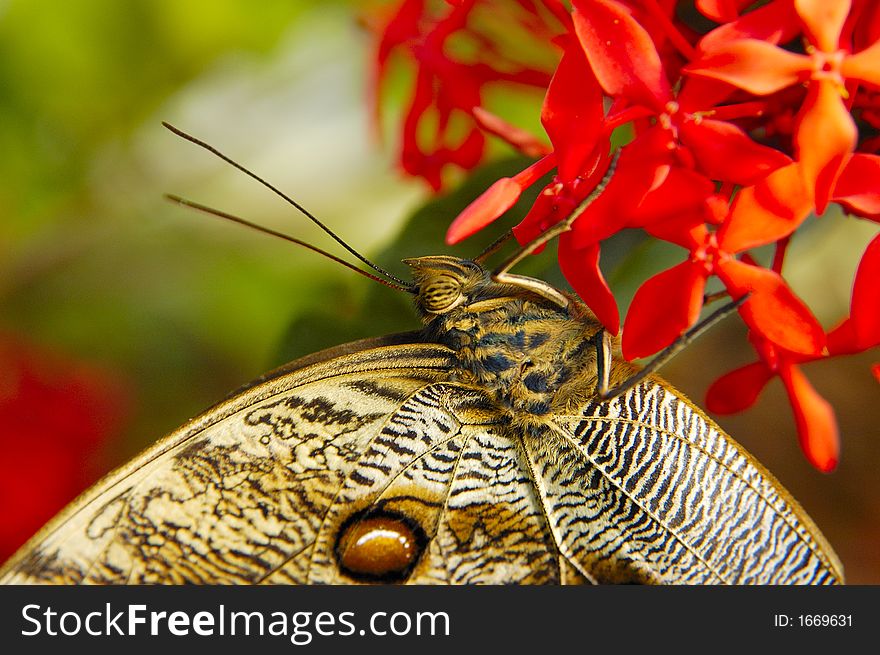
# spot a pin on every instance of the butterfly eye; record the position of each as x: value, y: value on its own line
x: 380, y: 548
x: 441, y: 293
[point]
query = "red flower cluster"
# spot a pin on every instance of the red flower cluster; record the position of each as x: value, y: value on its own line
x: 459, y: 61
x: 736, y: 134
x: 55, y: 415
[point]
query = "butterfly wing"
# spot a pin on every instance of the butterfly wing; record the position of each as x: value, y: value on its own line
x: 645, y: 488
x: 262, y: 487
x: 447, y: 464
x: 266, y: 486
x: 235, y: 492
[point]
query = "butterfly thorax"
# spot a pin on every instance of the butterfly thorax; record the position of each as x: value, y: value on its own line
x: 531, y: 355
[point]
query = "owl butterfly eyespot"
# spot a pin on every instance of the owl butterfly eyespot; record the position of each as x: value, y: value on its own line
x: 379, y: 547
x: 480, y: 449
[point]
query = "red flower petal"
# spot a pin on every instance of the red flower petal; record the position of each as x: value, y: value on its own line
x: 816, y: 425
x: 825, y: 136
x: 864, y: 65
x: 875, y: 369
x: 772, y: 309
x: 581, y: 269
x: 721, y: 11
x: 524, y: 141
x: 573, y: 113
x: 823, y: 21
x: 56, y: 416
x: 725, y: 152
x: 767, y: 211
x: 605, y: 216
x: 412, y: 158
x: 400, y: 28
x: 857, y: 187
x: 738, y: 390
x: 621, y: 52
x: 490, y: 204
x: 662, y: 308
x: 682, y: 191
x: 865, y: 312
x: 495, y: 200
x: 468, y: 153
x: 686, y: 230
x: 440, y: 126
x: 642, y: 167
x: 842, y: 339
x: 755, y: 66
x: 865, y: 30
x: 543, y: 214
x: 698, y: 92
x: 775, y: 22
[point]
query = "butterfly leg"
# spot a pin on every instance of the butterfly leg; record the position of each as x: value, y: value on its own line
x: 531, y: 284
x: 603, y: 362
x: 603, y: 352
x: 501, y: 275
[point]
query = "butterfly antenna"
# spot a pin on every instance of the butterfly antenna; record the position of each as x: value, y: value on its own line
x: 290, y: 200
x: 493, y: 247
x: 265, y: 230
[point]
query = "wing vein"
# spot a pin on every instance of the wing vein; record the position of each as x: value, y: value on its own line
x: 611, y: 479
x: 767, y: 501
x: 538, y: 481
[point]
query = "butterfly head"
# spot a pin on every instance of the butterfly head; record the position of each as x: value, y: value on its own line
x: 444, y: 282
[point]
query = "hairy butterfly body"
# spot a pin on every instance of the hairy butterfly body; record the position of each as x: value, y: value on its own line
x: 479, y: 450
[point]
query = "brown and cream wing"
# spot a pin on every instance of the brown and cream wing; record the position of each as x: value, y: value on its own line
x: 237, y: 492
x: 647, y: 489
x: 266, y: 487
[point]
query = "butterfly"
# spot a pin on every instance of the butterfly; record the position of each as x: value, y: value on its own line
x: 505, y: 442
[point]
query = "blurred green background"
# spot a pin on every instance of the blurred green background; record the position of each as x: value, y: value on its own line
x: 179, y: 309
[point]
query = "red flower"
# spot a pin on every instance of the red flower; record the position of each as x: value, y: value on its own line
x: 825, y: 133
x: 731, y: 143
x: 817, y: 428
x: 670, y: 302
x: 861, y: 329
x: 814, y: 417
x: 445, y: 120
x: 55, y: 417
x: 663, y: 180
x: 722, y: 11
x: 857, y: 187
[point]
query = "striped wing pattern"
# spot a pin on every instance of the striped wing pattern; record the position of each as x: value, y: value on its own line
x: 644, y: 488
x: 257, y: 489
x: 257, y: 492
x: 462, y: 481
